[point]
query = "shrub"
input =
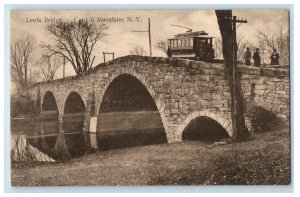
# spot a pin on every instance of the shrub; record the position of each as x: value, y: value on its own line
x: 263, y: 120
x: 21, y: 106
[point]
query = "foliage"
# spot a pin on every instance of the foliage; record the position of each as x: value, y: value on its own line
x: 263, y: 120
x: 21, y: 106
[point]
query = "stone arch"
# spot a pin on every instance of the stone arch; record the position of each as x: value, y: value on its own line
x: 50, y: 113
x: 223, y: 119
x: 73, y: 124
x: 157, y: 99
x: 49, y: 101
x: 74, y: 99
x: 65, y: 95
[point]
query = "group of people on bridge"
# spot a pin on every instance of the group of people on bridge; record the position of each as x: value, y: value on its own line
x: 257, y: 59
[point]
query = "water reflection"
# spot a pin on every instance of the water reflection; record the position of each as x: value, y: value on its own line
x: 64, y: 138
x: 46, y: 135
x: 73, y: 132
x: 127, y: 129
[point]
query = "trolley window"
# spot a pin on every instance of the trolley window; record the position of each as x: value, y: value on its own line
x: 179, y: 43
x: 172, y: 43
x: 191, y: 42
x: 175, y: 43
x: 183, y: 42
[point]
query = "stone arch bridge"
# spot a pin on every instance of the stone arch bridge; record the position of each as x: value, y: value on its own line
x: 181, y: 90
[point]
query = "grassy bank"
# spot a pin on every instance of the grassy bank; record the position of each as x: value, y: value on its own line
x: 265, y: 159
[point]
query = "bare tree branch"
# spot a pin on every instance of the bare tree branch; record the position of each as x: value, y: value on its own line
x: 75, y: 41
x: 49, y: 64
x: 20, y: 52
x: 280, y: 41
x: 137, y: 51
x: 162, y: 46
x: 242, y: 44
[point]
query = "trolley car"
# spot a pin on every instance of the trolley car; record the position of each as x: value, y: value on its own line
x: 192, y: 45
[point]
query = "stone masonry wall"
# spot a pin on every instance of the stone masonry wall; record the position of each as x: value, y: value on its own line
x: 268, y: 88
x: 181, y: 89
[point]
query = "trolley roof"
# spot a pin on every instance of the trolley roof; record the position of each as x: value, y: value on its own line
x: 191, y: 34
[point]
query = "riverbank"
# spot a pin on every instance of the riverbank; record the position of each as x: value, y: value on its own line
x: 265, y: 159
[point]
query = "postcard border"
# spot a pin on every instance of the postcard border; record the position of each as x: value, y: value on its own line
x: 137, y: 189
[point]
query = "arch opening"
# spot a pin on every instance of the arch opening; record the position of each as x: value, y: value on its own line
x: 128, y: 116
x: 73, y: 121
x: 49, y: 102
x: 204, y: 129
x: 49, y: 115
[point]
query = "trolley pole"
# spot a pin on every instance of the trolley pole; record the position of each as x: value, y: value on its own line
x: 149, y: 35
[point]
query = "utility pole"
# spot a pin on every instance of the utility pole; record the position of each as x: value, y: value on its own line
x: 234, y: 21
x: 149, y: 35
x: 64, y: 67
x: 235, y: 78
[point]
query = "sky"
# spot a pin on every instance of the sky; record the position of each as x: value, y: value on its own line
x: 120, y: 39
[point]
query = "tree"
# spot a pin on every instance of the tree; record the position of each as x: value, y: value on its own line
x: 162, y: 46
x: 240, y: 131
x: 137, y: 51
x: 280, y: 41
x: 75, y: 42
x: 20, y: 53
x: 242, y: 45
x: 49, y: 66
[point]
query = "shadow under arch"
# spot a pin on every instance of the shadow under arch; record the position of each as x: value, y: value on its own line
x: 205, y: 126
x: 128, y: 115
x: 204, y: 129
x: 49, y: 115
x: 49, y: 102
x: 73, y: 120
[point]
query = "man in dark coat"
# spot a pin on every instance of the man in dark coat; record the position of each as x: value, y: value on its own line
x: 274, y: 58
x: 247, y: 57
x: 169, y: 52
x: 256, y: 58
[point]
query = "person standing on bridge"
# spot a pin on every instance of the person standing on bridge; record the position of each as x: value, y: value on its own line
x: 274, y: 58
x: 169, y: 52
x: 256, y: 58
x: 247, y: 57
